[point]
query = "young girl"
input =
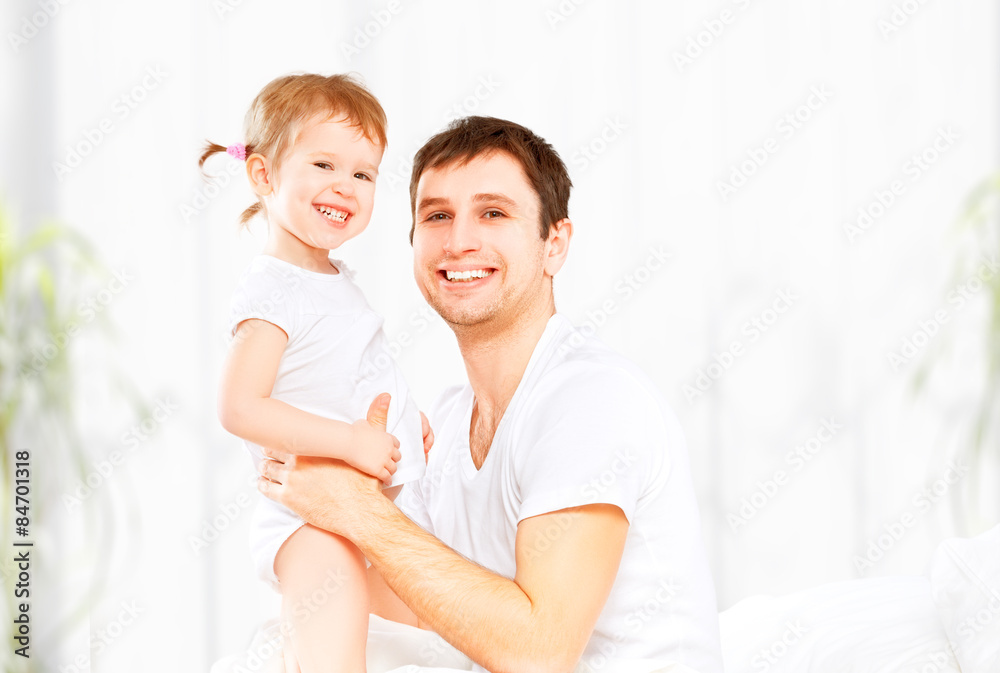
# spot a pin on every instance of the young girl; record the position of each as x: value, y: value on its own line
x: 303, y: 366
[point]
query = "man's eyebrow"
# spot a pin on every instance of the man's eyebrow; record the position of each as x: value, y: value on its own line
x: 499, y: 199
x: 432, y: 202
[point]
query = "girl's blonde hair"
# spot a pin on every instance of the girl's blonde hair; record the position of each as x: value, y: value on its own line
x: 277, y: 113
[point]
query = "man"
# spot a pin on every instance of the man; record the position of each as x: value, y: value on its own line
x: 556, y: 527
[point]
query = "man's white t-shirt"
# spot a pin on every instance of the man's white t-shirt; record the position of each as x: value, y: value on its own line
x: 584, y: 426
x: 335, y: 363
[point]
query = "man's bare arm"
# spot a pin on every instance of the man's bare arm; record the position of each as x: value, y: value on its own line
x: 539, y: 621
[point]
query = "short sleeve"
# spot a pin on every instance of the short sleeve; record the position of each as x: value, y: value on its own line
x: 595, y: 435
x: 264, y: 294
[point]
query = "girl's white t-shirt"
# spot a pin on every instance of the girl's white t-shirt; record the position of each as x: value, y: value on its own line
x: 584, y: 426
x: 336, y: 361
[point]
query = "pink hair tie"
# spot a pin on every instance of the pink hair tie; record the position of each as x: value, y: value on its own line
x: 237, y: 151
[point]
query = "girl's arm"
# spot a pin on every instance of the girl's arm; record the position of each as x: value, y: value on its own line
x: 246, y: 409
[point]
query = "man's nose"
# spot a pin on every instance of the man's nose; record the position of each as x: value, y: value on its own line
x: 463, y: 236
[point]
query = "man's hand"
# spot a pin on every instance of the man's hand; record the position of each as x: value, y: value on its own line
x: 428, y: 434
x: 327, y: 493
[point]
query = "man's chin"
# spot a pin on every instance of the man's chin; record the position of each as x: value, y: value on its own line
x: 464, y: 315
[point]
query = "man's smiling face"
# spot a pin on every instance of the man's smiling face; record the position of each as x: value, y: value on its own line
x: 477, y: 255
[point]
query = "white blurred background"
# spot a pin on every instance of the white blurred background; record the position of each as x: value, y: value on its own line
x: 804, y: 164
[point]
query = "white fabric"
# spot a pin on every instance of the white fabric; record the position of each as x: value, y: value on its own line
x: 394, y: 648
x: 965, y: 580
x: 584, y: 426
x: 335, y: 363
x: 878, y: 625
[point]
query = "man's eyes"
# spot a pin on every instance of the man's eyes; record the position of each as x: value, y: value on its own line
x: 493, y: 214
x: 436, y: 217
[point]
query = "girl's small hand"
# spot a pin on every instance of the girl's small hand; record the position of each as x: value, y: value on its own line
x: 373, y: 450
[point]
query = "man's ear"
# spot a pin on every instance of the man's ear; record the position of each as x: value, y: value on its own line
x: 557, y: 245
x: 259, y: 174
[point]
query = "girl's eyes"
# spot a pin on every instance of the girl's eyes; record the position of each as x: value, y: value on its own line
x: 329, y: 167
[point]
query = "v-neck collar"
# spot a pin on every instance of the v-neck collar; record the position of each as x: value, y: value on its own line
x: 555, y: 323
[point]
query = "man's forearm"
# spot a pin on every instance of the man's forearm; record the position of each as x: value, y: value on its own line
x: 486, y: 616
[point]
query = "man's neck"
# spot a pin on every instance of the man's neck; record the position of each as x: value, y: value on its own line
x: 496, y: 357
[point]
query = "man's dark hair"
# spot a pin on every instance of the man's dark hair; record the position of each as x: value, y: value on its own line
x: 470, y: 137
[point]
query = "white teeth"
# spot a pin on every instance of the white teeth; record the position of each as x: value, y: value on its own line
x: 331, y: 214
x: 467, y: 275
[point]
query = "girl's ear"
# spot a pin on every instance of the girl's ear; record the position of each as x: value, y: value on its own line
x: 259, y: 174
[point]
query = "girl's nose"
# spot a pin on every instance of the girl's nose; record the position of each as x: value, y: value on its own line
x: 343, y: 183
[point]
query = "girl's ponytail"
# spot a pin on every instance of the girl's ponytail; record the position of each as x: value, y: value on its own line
x: 237, y: 151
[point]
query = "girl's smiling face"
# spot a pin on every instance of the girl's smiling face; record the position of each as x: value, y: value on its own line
x: 322, y: 193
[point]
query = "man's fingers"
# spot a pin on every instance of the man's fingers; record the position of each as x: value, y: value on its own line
x: 428, y: 434
x: 378, y: 412
x: 268, y: 488
x: 271, y: 470
x: 276, y: 455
